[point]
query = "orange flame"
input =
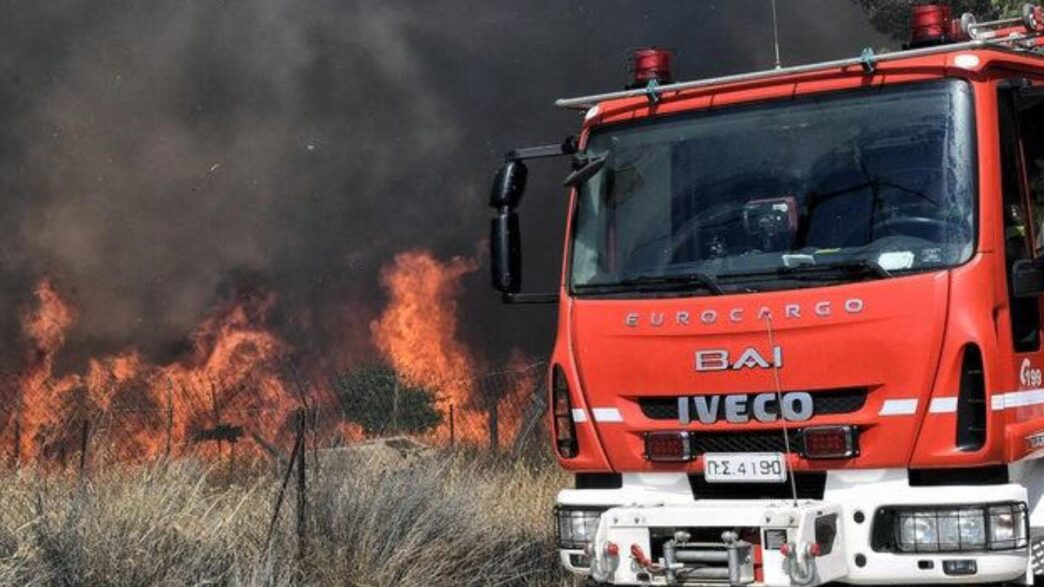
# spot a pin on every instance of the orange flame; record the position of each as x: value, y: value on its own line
x: 417, y: 333
x: 229, y: 389
x: 233, y: 389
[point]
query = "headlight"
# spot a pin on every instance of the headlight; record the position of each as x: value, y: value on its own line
x: 576, y: 526
x: 1008, y: 526
x: 950, y: 528
x: 914, y: 529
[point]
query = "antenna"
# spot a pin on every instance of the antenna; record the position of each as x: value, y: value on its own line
x: 775, y: 35
x: 779, y: 402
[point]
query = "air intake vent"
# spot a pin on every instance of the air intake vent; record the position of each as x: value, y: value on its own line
x: 971, y: 403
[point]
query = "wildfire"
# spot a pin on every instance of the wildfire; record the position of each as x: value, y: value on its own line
x: 228, y: 390
x: 417, y: 332
x: 235, y: 390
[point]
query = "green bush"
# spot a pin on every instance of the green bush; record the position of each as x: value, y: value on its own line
x: 377, y: 398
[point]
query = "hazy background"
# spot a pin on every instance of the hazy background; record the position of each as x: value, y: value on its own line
x: 155, y: 156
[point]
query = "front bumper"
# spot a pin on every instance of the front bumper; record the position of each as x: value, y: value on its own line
x: 628, y: 547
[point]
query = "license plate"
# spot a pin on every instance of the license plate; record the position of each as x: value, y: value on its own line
x: 744, y: 468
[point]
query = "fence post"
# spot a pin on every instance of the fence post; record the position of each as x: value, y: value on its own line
x: 170, y: 419
x: 84, y: 436
x: 18, y: 437
x: 494, y: 426
x: 395, y: 408
x: 451, y: 424
x: 302, y: 501
x: 298, y: 447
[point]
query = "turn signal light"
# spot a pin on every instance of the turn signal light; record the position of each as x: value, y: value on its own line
x: 565, y: 428
x: 830, y: 442
x: 668, y: 446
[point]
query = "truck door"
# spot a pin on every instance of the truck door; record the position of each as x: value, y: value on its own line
x: 1018, y: 226
x: 1021, y: 127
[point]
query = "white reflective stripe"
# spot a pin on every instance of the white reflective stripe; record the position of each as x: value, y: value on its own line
x: 606, y: 414
x: 997, y: 402
x: 943, y: 405
x: 1017, y: 399
x: 898, y: 407
x: 579, y: 415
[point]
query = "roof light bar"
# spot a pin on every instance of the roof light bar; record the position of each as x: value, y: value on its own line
x: 1016, y: 34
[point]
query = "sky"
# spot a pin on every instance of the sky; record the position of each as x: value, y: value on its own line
x: 156, y: 157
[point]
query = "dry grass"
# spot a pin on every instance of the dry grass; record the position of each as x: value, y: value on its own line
x: 447, y: 519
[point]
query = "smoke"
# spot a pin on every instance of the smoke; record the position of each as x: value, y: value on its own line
x: 156, y: 156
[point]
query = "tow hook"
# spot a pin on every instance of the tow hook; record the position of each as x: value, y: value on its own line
x: 643, y: 561
x: 799, y: 561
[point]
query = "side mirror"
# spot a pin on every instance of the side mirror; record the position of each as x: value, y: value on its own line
x: 505, y: 252
x: 508, y: 185
x: 505, y: 241
x: 1027, y: 278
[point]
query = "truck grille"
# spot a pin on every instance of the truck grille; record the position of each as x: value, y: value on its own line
x: 835, y: 401
x: 744, y: 441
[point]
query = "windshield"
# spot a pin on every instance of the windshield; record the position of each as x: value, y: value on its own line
x: 834, y: 188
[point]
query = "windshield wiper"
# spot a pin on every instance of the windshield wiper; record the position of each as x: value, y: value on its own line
x: 862, y: 267
x: 682, y: 279
x: 654, y: 283
x: 857, y: 265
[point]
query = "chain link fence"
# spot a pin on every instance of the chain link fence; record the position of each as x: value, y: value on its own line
x: 91, y: 423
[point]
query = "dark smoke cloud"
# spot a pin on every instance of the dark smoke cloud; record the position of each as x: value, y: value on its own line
x: 154, y: 155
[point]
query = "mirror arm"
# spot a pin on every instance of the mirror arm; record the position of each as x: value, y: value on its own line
x: 567, y: 147
x: 530, y: 298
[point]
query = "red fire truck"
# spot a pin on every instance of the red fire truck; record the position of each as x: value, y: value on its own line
x: 799, y: 321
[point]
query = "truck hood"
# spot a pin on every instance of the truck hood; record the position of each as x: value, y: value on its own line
x: 865, y: 352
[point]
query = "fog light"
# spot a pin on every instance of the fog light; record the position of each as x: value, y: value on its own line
x: 830, y: 442
x: 668, y: 446
x: 960, y: 567
x: 580, y: 561
x: 576, y: 526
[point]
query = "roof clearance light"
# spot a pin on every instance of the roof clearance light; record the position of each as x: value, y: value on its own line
x: 652, y: 64
x: 930, y: 24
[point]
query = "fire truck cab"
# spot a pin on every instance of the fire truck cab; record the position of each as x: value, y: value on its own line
x: 799, y: 322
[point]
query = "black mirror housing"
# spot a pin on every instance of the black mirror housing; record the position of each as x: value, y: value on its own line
x: 508, y: 185
x: 1027, y: 278
x: 505, y: 247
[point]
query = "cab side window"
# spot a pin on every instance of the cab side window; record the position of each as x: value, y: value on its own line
x: 1031, y: 132
x: 1025, y: 312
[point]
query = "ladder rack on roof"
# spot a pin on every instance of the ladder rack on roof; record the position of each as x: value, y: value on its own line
x: 1023, y: 34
